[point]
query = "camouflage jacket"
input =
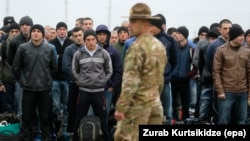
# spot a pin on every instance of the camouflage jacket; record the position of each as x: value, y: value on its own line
x: 143, y: 77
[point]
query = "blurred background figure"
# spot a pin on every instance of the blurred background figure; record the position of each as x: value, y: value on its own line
x: 113, y: 37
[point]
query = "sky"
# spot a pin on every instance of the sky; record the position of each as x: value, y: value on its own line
x: 191, y: 13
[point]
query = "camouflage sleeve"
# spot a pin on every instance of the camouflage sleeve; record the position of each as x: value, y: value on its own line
x: 161, y: 87
x: 131, y: 77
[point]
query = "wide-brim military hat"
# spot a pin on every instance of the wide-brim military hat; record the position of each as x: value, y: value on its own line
x: 140, y: 11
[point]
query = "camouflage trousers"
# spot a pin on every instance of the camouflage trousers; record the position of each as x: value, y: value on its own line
x: 128, y: 129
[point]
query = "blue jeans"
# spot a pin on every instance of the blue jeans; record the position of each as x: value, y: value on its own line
x: 108, y: 98
x: 193, y: 93
x: 166, y: 99
x: 206, y: 101
x: 18, y: 98
x: 235, y: 102
x: 60, y: 91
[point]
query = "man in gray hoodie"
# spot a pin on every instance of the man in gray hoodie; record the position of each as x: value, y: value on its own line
x: 92, y: 68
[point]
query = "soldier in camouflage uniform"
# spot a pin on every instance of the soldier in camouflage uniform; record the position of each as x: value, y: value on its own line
x: 143, y: 78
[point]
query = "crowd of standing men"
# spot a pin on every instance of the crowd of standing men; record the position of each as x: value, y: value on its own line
x: 52, y: 77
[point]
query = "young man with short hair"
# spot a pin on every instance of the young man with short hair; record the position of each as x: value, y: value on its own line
x: 231, y: 75
x: 92, y: 68
x: 33, y: 66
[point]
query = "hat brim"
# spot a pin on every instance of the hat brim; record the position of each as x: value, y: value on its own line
x: 142, y: 17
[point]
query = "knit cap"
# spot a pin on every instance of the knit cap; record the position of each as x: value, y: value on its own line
x: 39, y: 27
x: 203, y: 29
x: 235, y: 31
x: 213, y: 32
x: 214, y: 25
x: 88, y: 33
x: 122, y: 28
x: 163, y: 19
x: 14, y: 26
x: 156, y: 22
x: 5, y: 29
x: 8, y: 19
x: 183, y: 30
x: 26, y: 20
x: 61, y: 24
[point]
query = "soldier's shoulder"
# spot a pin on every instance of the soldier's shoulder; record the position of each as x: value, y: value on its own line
x: 148, y: 40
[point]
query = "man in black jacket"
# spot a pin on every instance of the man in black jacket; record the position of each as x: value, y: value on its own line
x: 33, y: 65
x: 171, y: 48
x: 60, y: 85
x: 76, y: 35
x: 25, y: 24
